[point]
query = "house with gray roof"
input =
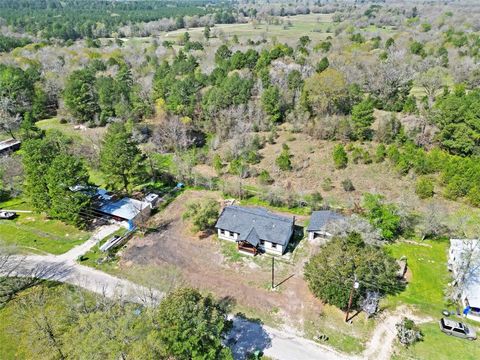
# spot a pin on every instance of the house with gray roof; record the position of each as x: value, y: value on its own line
x: 320, y: 225
x: 255, y: 229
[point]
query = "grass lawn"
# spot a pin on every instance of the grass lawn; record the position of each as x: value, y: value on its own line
x: 427, y: 264
x: 438, y: 346
x: 54, y: 124
x: 349, y: 338
x: 8, y: 346
x: 316, y: 26
x: 34, y: 232
x: 255, y: 201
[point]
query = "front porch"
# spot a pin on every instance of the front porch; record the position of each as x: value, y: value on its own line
x: 247, y: 248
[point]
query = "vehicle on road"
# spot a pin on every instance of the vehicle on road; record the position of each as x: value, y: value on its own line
x: 454, y: 328
x: 7, y: 215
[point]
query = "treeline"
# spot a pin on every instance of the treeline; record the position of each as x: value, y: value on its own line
x: 460, y: 176
x: 52, y: 169
x: 91, y: 96
x: 8, y: 43
x: 74, y: 19
x: 22, y: 98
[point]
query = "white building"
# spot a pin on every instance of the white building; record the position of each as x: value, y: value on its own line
x: 255, y: 229
x: 321, y: 223
x: 464, y: 263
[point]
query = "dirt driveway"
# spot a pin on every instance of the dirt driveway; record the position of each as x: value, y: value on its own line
x: 203, y: 264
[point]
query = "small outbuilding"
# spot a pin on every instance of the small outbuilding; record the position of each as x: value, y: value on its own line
x: 255, y: 229
x: 129, y: 210
x: 9, y: 145
x: 321, y: 222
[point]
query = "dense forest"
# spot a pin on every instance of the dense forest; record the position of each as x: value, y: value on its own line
x: 73, y: 19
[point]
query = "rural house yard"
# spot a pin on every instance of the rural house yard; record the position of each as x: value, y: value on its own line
x: 173, y: 256
x: 239, y: 180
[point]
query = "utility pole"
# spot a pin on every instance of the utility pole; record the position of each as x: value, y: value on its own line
x: 355, y: 285
x: 273, y: 273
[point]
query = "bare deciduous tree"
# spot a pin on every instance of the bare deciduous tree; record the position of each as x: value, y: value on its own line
x: 9, y: 120
x: 172, y: 135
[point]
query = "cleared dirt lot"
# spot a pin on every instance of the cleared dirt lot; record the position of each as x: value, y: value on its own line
x: 211, y: 265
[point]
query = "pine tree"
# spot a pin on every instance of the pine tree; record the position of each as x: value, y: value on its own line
x: 340, y: 157
x: 362, y: 118
x: 120, y: 159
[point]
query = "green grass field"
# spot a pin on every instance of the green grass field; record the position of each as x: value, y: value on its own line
x: 54, y: 124
x: 32, y: 232
x: 316, y: 26
x: 427, y: 263
x: 7, y: 343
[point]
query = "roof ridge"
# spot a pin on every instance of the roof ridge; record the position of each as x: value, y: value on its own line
x: 266, y: 212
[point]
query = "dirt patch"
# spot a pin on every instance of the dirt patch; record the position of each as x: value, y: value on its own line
x: 203, y: 265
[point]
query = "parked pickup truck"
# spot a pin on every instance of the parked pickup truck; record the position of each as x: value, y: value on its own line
x: 457, y: 329
x: 7, y: 215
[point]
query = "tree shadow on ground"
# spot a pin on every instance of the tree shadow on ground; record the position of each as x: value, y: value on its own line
x: 246, y: 337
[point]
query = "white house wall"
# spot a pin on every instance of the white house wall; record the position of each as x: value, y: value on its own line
x: 227, y: 235
x: 267, y: 247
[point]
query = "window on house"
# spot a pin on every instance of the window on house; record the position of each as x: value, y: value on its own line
x: 262, y: 242
x: 222, y: 231
x: 230, y: 233
x: 274, y: 246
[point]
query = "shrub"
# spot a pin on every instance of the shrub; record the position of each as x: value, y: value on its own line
x: 203, y: 214
x: 356, y: 155
x: 322, y: 65
x: 348, y: 185
x: 382, y: 216
x: 474, y: 196
x: 283, y: 160
x: 327, y: 184
x: 340, y: 157
x: 217, y: 164
x: 380, y: 153
x: 237, y: 167
x: 424, y: 188
x: 408, y: 332
x: 316, y: 201
x: 366, y: 157
x: 264, y: 178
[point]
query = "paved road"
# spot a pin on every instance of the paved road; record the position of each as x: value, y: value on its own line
x: 247, y: 336
x: 64, y: 268
x: 82, y: 249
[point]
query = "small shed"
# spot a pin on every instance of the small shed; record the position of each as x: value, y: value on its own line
x: 9, y: 145
x: 321, y: 222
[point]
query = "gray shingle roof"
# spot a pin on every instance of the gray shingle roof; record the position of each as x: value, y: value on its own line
x: 251, y: 238
x: 320, y: 219
x: 267, y: 226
